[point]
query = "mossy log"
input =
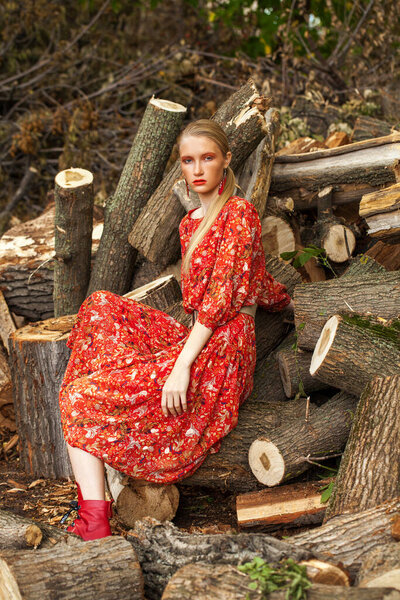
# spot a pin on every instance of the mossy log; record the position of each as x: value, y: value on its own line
x: 243, y: 119
x: 352, y: 349
x: 362, y: 264
x: 72, y: 239
x: 286, y: 452
x: 143, y: 170
x: 377, y: 294
x: 369, y: 472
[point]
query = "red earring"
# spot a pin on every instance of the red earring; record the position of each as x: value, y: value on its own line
x: 222, y: 183
x: 187, y: 187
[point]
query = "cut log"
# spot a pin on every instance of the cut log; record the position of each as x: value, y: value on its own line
x: 287, y: 451
x: 170, y: 548
x: 348, y: 538
x: 381, y: 568
x: 336, y: 139
x: 381, y: 211
x: 26, y: 265
x: 294, y: 368
x: 226, y: 582
x: 315, y: 303
x: 301, y: 145
x: 277, y: 234
x: 352, y: 349
x: 106, y: 568
x: 337, y: 239
x: 160, y: 294
x: 7, y: 325
x: 141, y: 499
x: 244, y: 125
x: 72, y: 239
x: 142, y: 173
x: 369, y: 472
x: 297, y: 504
x: 386, y: 255
x: 325, y: 573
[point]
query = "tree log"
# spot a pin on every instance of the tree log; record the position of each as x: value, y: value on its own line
x: 363, y: 264
x: 294, y: 368
x: 106, y: 568
x: 160, y: 293
x: 380, y: 209
x: 226, y: 582
x: 352, y: 349
x: 348, y: 538
x: 381, y: 568
x: 286, y: 452
x: 142, y: 173
x: 244, y: 125
x: 315, y: 303
x: 7, y: 325
x: 388, y: 255
x: 369, y: 472
x: 277, y: 233
x: 141, y: 499
x: 336, y: 238
x: 72, y: 239
x: 163, y: 548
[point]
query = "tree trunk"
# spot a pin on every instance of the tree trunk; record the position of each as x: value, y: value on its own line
x: 165, y: 545
x: 369, y: 472
x: 352, y: 349
x: 226, y: 582
x: 106, y: 568
x: 283, y: 453
x: 72, y: 239
x: 315, y: 303
x: 348, y: 538
x: 294, y: 367
x: 387, y: 255
x: 244, y: 125
x: 294, y: 505
x: 380, y: 209
x: 381, y: 568
x: 142, y: 173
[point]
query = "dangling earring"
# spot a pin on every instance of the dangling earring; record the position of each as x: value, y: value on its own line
x: 187, y: 187
x: 222, y: 183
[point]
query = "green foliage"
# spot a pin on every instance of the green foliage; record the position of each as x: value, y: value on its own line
x: 301, y: 257
x: 327, y: 492
x: 287, y: 576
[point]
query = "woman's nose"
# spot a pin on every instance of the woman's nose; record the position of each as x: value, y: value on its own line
x: 198, y: 169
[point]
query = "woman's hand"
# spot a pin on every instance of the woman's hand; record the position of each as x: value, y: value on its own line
x: 174, y: 391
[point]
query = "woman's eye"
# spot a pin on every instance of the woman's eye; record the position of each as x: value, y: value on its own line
x: 209, y: 157
x: 186, y: 161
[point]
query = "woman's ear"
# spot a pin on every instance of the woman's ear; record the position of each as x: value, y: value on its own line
x: 228, y: 159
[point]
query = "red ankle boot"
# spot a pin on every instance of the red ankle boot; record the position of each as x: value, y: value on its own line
x: 93, y: 517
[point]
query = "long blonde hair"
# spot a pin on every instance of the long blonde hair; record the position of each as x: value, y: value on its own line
x: 213, y: 131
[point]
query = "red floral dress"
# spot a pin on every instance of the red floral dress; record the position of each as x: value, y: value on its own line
x: 123, y: 352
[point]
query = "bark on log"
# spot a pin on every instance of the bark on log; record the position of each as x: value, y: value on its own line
x: 142, y: 173
x: 38, y: 359
x: 162, y: 548
x: 388, y: 255
x: 225, y: 582
x: 285, y: 452
x: 344, y: 194
x: 294, y: 368
x: 26, y: 265
x: 244, y: 125
x: 381, y: 568
x: 361, y: 265
x: 315, y: 303
x: 72, y: 239
x: 7, y: 325
x: 348, y: 538
x: 380, y: 209
x: 85, y: 572
x: 293, y: 505
x: 369, y: 472
x: 277, y: 233
x: 352, y: 349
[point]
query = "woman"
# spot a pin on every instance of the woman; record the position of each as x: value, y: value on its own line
x: 144, y: 393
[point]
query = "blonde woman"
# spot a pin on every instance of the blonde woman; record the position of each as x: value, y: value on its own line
x: 144, y: 393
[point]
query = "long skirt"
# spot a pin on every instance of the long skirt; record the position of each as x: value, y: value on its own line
x: 110, y: 399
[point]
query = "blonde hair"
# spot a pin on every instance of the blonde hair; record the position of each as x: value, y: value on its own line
x: 213, y: 131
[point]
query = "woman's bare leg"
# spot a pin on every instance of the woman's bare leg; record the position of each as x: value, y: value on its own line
x: 89, y: 473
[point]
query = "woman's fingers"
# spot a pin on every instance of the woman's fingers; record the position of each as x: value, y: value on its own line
x: 183, y: 402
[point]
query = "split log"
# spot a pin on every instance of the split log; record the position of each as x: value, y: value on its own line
x: 286, y: 452
x: 160, y: 294
x: 244, y: 124
x: 381, y: 211
x: 72, y: 239
x: 142, y: 173
x: 277, y: 233
x: 337, y: 239
x: 352, y: 349
x: 386, y: 255
x: 294, y: 368
x: 226, y: 582
x: 163, y: 548
x: 293, y: 505
x: 348, y: 538
x: 381, y: 568
x: 26, y: 265
x: 336, y: 139
x: 7, y: 325
x: 369, y: 472
x: 301, y: 145
x: 315, y: 303
x: 107, y: 568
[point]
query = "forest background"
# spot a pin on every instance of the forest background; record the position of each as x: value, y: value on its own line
x: 76, y: 75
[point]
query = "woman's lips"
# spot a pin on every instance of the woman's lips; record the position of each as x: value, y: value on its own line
x: 199, y: 182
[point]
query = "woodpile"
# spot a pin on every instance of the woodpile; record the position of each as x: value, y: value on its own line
x: 325, y: 385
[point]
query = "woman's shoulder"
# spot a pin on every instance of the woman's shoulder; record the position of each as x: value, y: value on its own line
x: 237, y: 206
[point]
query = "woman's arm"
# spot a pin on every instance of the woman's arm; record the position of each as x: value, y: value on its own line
x: 175, y: 388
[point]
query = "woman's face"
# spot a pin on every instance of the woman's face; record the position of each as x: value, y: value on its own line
x: 202, y: 164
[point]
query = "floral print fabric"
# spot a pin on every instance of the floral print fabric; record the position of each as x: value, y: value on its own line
x: 123, y: 352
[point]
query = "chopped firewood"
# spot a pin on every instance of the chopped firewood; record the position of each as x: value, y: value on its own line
x: 381, y: 211
x: 336, y: 139
x: 325, y: 573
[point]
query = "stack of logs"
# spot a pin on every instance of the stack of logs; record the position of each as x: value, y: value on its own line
x: 329, y: 385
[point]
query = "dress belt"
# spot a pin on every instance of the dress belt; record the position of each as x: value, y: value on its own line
x: 249, y: 310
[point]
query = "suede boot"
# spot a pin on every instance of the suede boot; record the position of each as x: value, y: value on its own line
x: 93, y: 517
